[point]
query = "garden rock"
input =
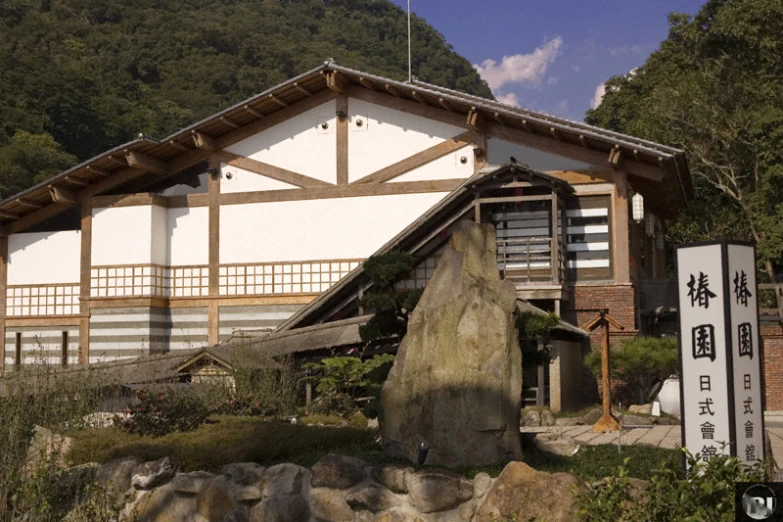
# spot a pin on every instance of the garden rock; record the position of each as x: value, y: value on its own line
x: 644, y: 409
x: 328, y: 505
x: 636, y: 420
x: 337, y: 472
x: 286, y: 508
x: 530, y: 494
x: 568, y: 421
x: 283, y: 479
x: 397, y: 516
x: 456, y: 383
x: 372, y: 498
x: 433, y: 490
x: 152, y: 473
x: 163, y: 505
x: 393, y: 476
x: 244, y: 473
x: 115, y: 475
x: 532, y: 419
x: 481, y: 484
x: 547, y: 419
x: 191, y: 482
x: 592, y: 416
x: 46, y: 450
x: 558, y: 444
x: 217, y: 500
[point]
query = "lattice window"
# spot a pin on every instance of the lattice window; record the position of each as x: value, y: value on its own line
x: 421, y: 274
x: 128, y: 281
x: 189, y: 281
x: 42, y: 300
x: 588, y: 238
x: 283, y: 278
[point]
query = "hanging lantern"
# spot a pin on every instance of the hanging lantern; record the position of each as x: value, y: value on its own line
x: 637, y: 204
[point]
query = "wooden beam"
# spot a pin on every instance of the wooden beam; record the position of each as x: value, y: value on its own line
x: 583, y: 141
x: 555, y: 133
x: 3, y: 292
x: 228, y: 121
x: 526, y: 125
x: 77, y: 181
x: 367, y: 83
x: 204, y: 141
x: 253, y: 111
x: 342, y: 140
x: 473, y: 122
x: 140, y: 161
x: 270, y: 171
x: 417, y: 160
x: 302, y: 89
x: 615, y: 157
x: 392, y: 90
x: 418, y: 98
x: 8, y: 215
x: 213, y: 311
x: 117, y: 161
x: 85, y: 277
x: 575, y: 152
x: 28, y: 203
x: 336, y: 82
x: 620, y: 234
x: 61, y: 195
x: 98, y: 171
x: 445, y: 105
x: 278, y: 101
x: 178, y: 145
x: 499, y: 119
x: 480, y: 160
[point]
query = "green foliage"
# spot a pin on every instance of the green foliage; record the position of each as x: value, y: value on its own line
x: 260, y: 385
x: 93, y: 74
x: 157, y: 414
x: 639, y: 362
x: 533, y: 326
x: 391, y: 306
x: 27, y: 159
x: 705, y: 493
x: 715, y: 89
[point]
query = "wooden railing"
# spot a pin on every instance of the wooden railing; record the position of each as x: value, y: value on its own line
x: 529, y: 259
x: 777, y: 290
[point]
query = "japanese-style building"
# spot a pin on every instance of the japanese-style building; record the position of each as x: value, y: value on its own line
x: 241, y: 220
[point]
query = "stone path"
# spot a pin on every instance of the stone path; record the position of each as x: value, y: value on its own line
x: 659, y: 436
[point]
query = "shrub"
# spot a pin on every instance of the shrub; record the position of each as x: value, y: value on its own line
x: 262, y: 385
x: 706, y: 492
x: 157, y: 414
x: 341, y: 380
x: 639, y: 362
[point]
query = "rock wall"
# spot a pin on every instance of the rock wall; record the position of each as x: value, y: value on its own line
x: 456, y: 383
x: 336, y: 489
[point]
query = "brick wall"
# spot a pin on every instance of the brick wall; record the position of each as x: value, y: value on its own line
x: 586, y: 302
x: 772, y: 336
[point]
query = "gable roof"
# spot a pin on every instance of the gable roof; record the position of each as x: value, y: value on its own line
x: 146, y: 160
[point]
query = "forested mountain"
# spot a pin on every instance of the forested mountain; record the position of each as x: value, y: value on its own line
x: 715, y: 89
x: 80, y: 76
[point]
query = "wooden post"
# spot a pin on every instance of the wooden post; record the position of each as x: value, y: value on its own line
x: 213, y: 310
x: 342, y: 140
x: 622, y: 269
x: 554, y: 254
x: 607, y: 422
x: 3, y: 287
x: 85, y: 281
x: 540, y: 377
x: 308, y: 393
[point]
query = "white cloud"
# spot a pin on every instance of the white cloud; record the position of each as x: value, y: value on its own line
x: 552, y: 80
x: 576, y: 68
x: 598, y: 96
x: 508, y: 99
x: 526, y: 69
x: 561, y: 108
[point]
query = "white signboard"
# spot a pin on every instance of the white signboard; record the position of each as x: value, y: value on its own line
x: 721, y: 385
x: 746, y: 353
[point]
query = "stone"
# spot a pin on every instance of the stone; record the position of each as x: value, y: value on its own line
x: 47, y: 450
x: 115, y: 476
x: 547, y: 419
x: 329, y: 505
x: 393, y: 476
x: 284, y: 508
x: 163, y: 505
x: 283, y: 479
x: 244, y: 473
x: 481, y: 484
x: 191, y: 482
x: 530, y: 494
x: 397, y: 516
x: 248, y: 493
x: 373, y: 498
x: 636, y: 420
x: 431, y: 490
x: 337, y: 472
x: 532, y: 419
x: 592, y: 416
x: 568, y: 421
x: 456, y: 383
x: 153, y: 473
x: 563, y: 445
x: 644, y: 409
x: 217, y: 500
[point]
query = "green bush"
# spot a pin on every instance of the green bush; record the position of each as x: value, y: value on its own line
x: 704, y: 493
x: 638, y: 362
x: 261, y: 385
x: 160, y: 413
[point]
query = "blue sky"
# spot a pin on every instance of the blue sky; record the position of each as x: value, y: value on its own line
x: 551, y: 55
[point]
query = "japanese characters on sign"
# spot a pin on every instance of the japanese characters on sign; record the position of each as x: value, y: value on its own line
x: 746, y: 358
x: 721, y: 382
x: 704, y: 380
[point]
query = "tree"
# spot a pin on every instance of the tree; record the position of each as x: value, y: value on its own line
x: 29, y: 159
x: 715, y: 89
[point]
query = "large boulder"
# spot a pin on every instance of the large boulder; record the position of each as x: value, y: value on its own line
x: 528, y: 494
x: 153, y: 473
x: 46, y: 452
x: 456, y: 383
x: 433, y: 490
x: 115, y: 476
x: 337, y: 472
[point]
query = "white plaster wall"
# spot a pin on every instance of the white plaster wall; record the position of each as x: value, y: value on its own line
x: 187, y: 230
x: 160, y: 243
x: 122, y: 235
x: 44, y: 257
x: 234, y: 179
x: 447, y: 167
x: 299, y: 144
x: 388, y: 136
x: 318, y: 229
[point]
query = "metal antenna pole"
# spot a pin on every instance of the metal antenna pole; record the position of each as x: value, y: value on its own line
x: 410, y: 74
